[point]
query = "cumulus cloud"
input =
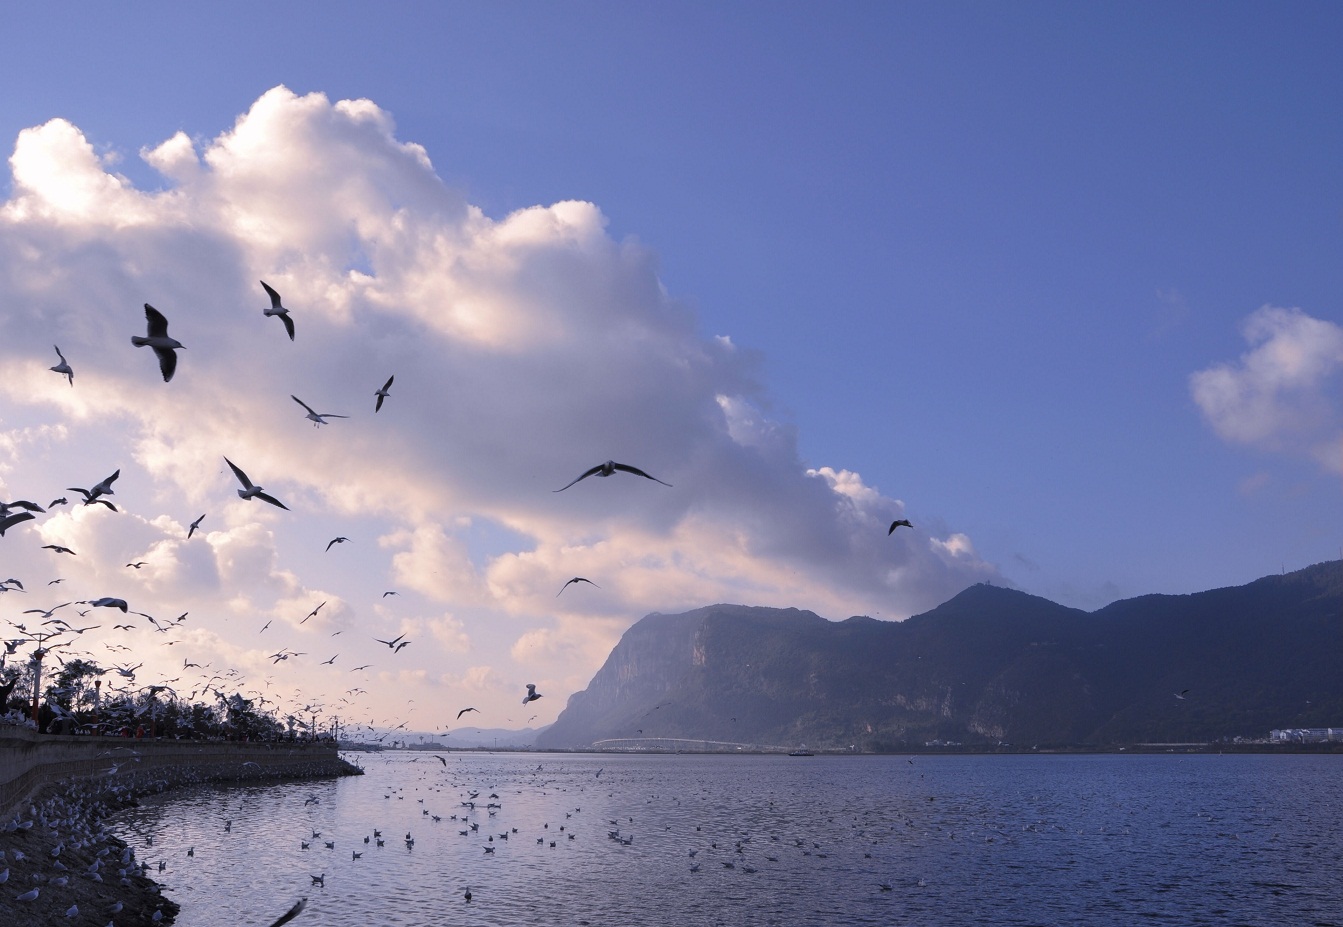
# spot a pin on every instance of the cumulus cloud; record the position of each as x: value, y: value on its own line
x: 525, y: 350
x: 1283, y: 394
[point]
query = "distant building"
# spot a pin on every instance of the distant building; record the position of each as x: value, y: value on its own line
x: 1307, y: 735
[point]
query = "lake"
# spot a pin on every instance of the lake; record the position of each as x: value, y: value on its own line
x: 621, y: 840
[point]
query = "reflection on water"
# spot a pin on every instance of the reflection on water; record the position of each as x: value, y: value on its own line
x: 694, y: 840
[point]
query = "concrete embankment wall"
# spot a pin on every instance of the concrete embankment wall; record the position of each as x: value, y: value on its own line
x: 30, y: 761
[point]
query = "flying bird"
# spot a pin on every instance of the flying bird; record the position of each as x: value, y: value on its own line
x: 317, y: 418
x: 576, y: 579
x: 532, y: 695
x: 391, y: 643
x: 194, y: 525
x: 249, y: 490
x: 277, y: 309
x: 107, y: 602
x: 607, y: 469
x: 63, y: 368
x: 1182, y: 694
x: 398, y: 647
x: 465, y: 710
x: 383, y: 393
x: 898, y: 523
x: 340, y: 540
x: 292, y: 913
x: 11, y: 520
x: 313, y: 612
x: 164, y: 347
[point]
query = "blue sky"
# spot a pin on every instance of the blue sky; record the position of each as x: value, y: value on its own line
x: 1003, y: 269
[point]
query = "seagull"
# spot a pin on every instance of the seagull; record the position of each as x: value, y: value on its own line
x: 532, y: 695
x: 11, y: 520
x: 1182, y: 694
x: 390, y: 592
x: 106, y: 602
x: 318, y: 418
x: 292, y: 913
x: 194, y: 525
x: 249, y: 491
x: 340, y: 540
x: 381, y: 394
x: 576, y: 579
x: 607, y: 469
x: 63, y: 368
x: 103, y: 488
x: 398, y: 647
x: 277, y: 309
x: 465, y: 710
x: 331, y: 662
x: 158, y: 339
x: 898, y: 523
x: 390, y: 643
x: 137, y: 564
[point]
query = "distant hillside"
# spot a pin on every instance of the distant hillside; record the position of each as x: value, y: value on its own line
x: 990, y: 665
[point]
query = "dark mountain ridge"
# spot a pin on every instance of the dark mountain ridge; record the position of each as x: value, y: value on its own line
x: 990, y: 665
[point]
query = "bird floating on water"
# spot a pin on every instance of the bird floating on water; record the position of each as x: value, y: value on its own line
x: 609, y: 468
x: 277, y: 309
x: 165, y: 348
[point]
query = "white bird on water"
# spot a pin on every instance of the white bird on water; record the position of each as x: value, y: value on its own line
x: 250, y: 490
x: 164, y: 347
x: 278, y: 310
x: 63, y: 368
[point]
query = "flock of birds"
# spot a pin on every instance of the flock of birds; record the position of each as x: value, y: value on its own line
x: 55, y: 632
x: 52, y: 633
x: 458, y: 821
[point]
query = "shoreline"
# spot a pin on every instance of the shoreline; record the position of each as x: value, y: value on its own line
x: 53, y: 835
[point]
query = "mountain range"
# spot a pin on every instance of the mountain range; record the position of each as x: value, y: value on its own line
x: 990, y: 666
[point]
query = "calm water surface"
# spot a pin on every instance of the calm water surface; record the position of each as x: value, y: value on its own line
x: 777, y: 840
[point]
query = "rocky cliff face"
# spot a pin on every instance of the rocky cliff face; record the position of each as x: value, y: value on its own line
x: 989, y: 665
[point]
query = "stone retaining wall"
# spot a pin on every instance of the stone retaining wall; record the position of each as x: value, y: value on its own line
x: 30, y: 761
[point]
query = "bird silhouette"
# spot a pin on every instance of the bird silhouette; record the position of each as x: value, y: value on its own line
x: 609, y: 468
x: 898, y: 523
x: 383, y: 393
x: 251, y: 491
x: 317, y: 418
x: 576, y: 579
x: 278, y: 310
x: 165, y: 348
x: 532, y: 695
x: 63, y: 368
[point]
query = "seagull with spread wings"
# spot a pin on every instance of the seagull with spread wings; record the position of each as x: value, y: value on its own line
x: 317, y: 418
x: 63, y: 368
x: 250, y: 490
x: 383, y: 393
x: 278, y: 310
x: 609, y: 468
x: 576, y: 579
x: 165, y: 348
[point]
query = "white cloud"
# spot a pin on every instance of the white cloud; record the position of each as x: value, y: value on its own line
x: 1283, y: 394
x: 525, y: 350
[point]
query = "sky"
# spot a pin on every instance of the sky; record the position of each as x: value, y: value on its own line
x: 1059, y: 284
